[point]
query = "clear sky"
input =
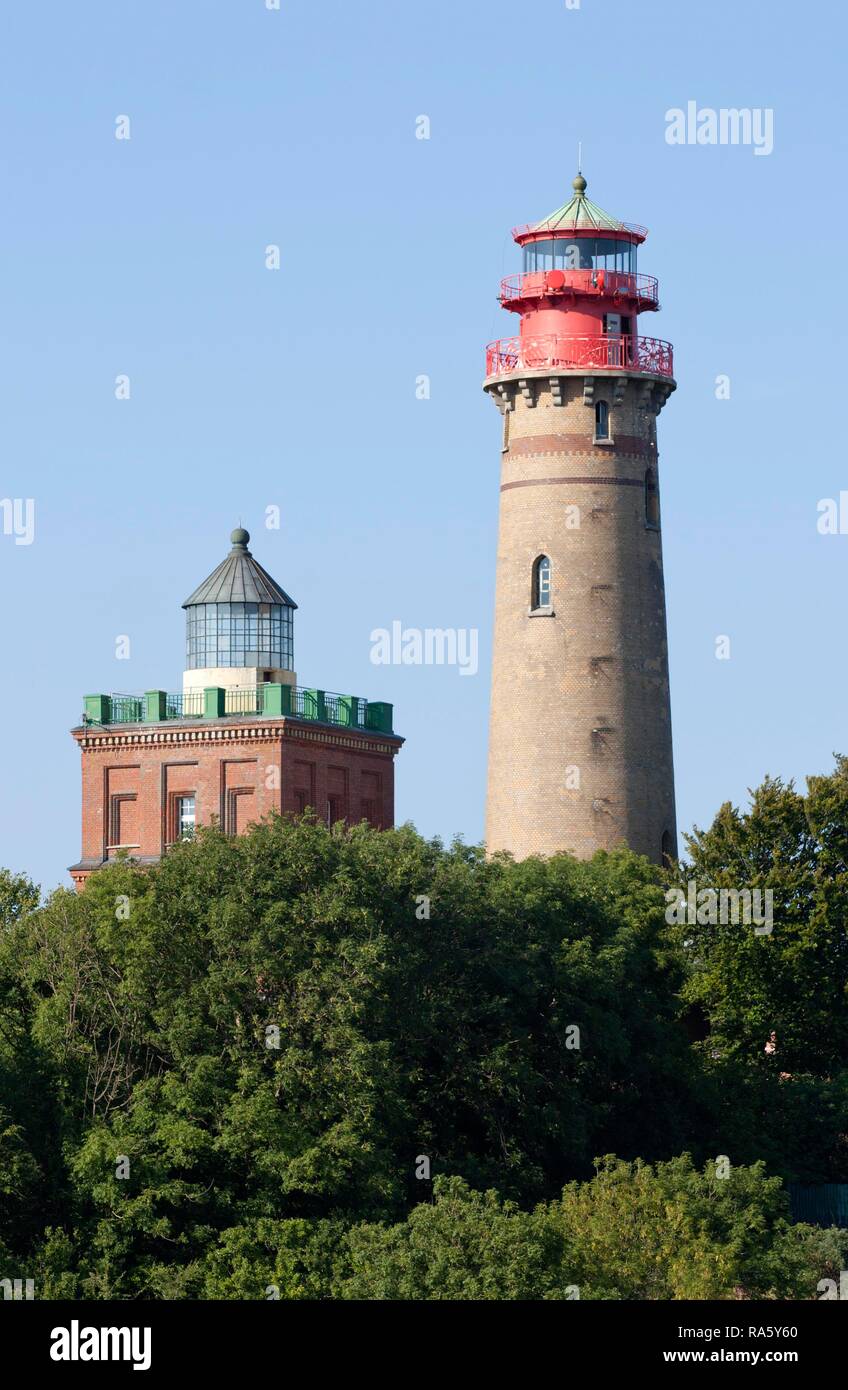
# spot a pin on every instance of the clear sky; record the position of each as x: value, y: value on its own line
x: 296, y: 388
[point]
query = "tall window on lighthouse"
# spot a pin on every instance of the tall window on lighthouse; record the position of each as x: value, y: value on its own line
x: 541, y: 588
x: 601, y: 420
x: 652, y: 500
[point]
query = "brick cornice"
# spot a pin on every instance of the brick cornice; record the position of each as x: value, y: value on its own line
x: 103, y: 740
x: 298, y: 733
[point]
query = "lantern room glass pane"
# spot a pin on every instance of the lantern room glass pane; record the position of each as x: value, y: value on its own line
x: 240, y: 634
x: 581, y: 253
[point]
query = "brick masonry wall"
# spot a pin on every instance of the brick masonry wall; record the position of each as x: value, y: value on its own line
x: 580, y: 753
x: 238, y: 770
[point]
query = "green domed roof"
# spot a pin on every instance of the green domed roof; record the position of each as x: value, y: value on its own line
x: 580, y: 214
x: 239, y: 579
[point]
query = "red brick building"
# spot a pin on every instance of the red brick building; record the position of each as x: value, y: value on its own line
x: 241, y: 739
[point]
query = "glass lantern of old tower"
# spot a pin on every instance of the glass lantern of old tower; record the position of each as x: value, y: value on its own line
x: 239, y: 625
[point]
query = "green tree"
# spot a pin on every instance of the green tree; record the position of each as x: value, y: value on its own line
x: 268, y: 1028
x: 467, y: 1245
x: 792, y: 980
x: 631, y: 1232
x: 237, y: 1070
x: 786, y: 1104
x: 672, y: 1232
x: 18, y: 897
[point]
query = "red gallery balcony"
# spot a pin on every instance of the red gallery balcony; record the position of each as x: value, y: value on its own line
x: 558, y: 352
x: 640, y: 291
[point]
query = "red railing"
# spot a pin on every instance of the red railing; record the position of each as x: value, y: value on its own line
x: 536, y: 284
x: 649, y: 355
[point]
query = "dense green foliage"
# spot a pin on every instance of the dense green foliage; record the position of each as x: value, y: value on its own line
x: 789, y: 1107
x: 233, y: 1072
x: 631, y: 1232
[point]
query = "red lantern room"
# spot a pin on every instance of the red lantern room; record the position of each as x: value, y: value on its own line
x: 579, y: 296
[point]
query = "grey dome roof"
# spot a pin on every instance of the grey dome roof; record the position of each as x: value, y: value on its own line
x: 239, y: 579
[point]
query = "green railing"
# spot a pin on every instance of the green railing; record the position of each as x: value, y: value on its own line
x: 215, y: 702
x: 183, y: 706
x: 127, y: 709
x: 243, y: 701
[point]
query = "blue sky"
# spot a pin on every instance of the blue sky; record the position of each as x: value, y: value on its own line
x: 252, y: 388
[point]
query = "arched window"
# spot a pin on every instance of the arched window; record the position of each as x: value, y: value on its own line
x: 541, y: 589
x: 652, y: 500
x: 601, y: 420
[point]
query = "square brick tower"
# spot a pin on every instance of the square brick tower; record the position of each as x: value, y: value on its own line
x: 580, y: 754
x: 241, y: 739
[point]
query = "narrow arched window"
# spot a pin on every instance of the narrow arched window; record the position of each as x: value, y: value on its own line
x: 601, y: 420
x: 652, y: 500
x: 541, y: 590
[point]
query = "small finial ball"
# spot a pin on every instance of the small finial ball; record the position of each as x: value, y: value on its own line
x: 240, y: 536
x: 579, y: 185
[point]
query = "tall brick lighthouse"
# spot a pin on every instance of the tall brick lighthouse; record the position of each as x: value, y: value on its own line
x: 580, y: 754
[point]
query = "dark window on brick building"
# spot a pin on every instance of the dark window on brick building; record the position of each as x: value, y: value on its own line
x: 601, y: 420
